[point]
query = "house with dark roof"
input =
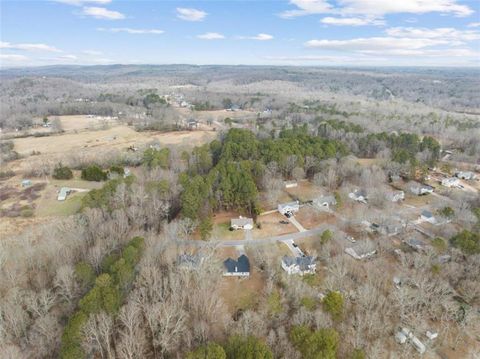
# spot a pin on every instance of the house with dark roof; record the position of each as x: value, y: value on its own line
x: 428, y: 217
x: 299, y: 265
x: 237, y: 268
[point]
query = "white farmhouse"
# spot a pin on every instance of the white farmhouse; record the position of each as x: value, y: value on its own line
x: 450, y: 182
x: 241, y: 223
x: 288, y: 209
x: 466, y: 175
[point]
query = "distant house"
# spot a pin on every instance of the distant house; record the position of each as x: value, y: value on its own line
x: 391, y: 228
x: 241, y: 223
x: 190, y: 262
x: 26, y: 183
x: 421, y: 189
x: 299, y: 265
x: 290, y: 184
x: 63, y: 193
x: 288, y: 209
x: 192, y: 123
x: 416, y: 244
x: 358, y: 195
x: 324, y: 201
x: 361, y: 251
x: 403, y: 335
x: 450, y: 182
x: 396, y: 196
x: 237, y: 268
x: 428, y: 217
x: 466, y: 175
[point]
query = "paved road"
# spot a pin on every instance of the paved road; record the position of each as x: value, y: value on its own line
x: 282, y: 238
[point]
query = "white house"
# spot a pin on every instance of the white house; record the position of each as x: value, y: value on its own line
x: 358, y: 195
x: 421, y: 189
x: 466, y: 175
x: 299, y: 265
x: 403, y: 335
x: 288, y: 209
x: 290, y: 184
x: 63, y: 193
x: 26, y: 183
x: 396, y: 196
x: 450, y: 182
x: 324, y: 201
x: 241, y: 223
x: 237, y: 268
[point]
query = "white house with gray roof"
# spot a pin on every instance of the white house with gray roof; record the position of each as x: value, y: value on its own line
x: 289, y: 208
x: 241, y: 223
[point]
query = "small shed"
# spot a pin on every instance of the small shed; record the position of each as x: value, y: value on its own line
x: 63, y: 193
x: 290, y: 184
x: 427, y: 216
x: 26, y: 183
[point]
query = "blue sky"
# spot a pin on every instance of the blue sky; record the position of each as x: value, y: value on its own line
x: 276, y: 32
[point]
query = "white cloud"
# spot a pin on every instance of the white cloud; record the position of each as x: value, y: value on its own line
x: 308, y: 7
x: 444, y: 33
x: 474, y: 24
x: 211, y: 36
x: 92, y: 52
x: 351, y: 21
x: 258, y: 37
x: 380, y: 8
x: 28, y: 47
x: 189, y: 14
x: 131, y: 31
x: 102, y: 13
x: 374, y: 44
x: 13, y: 58
x: 376, y: 8
x: 82, y: 2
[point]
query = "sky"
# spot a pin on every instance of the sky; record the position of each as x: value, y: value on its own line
x: 239, y: 32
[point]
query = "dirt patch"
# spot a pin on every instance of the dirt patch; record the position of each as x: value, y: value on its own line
x: 270, y: 226
x: 309, y: 217
x: 305, y: 191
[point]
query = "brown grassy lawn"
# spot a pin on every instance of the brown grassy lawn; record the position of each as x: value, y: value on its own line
x: 305, y: 191
x: 242, y: 293
x: 271, y: 226
x: 310, y: 218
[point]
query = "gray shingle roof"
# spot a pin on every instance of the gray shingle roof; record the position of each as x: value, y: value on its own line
x: 240, y: 265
